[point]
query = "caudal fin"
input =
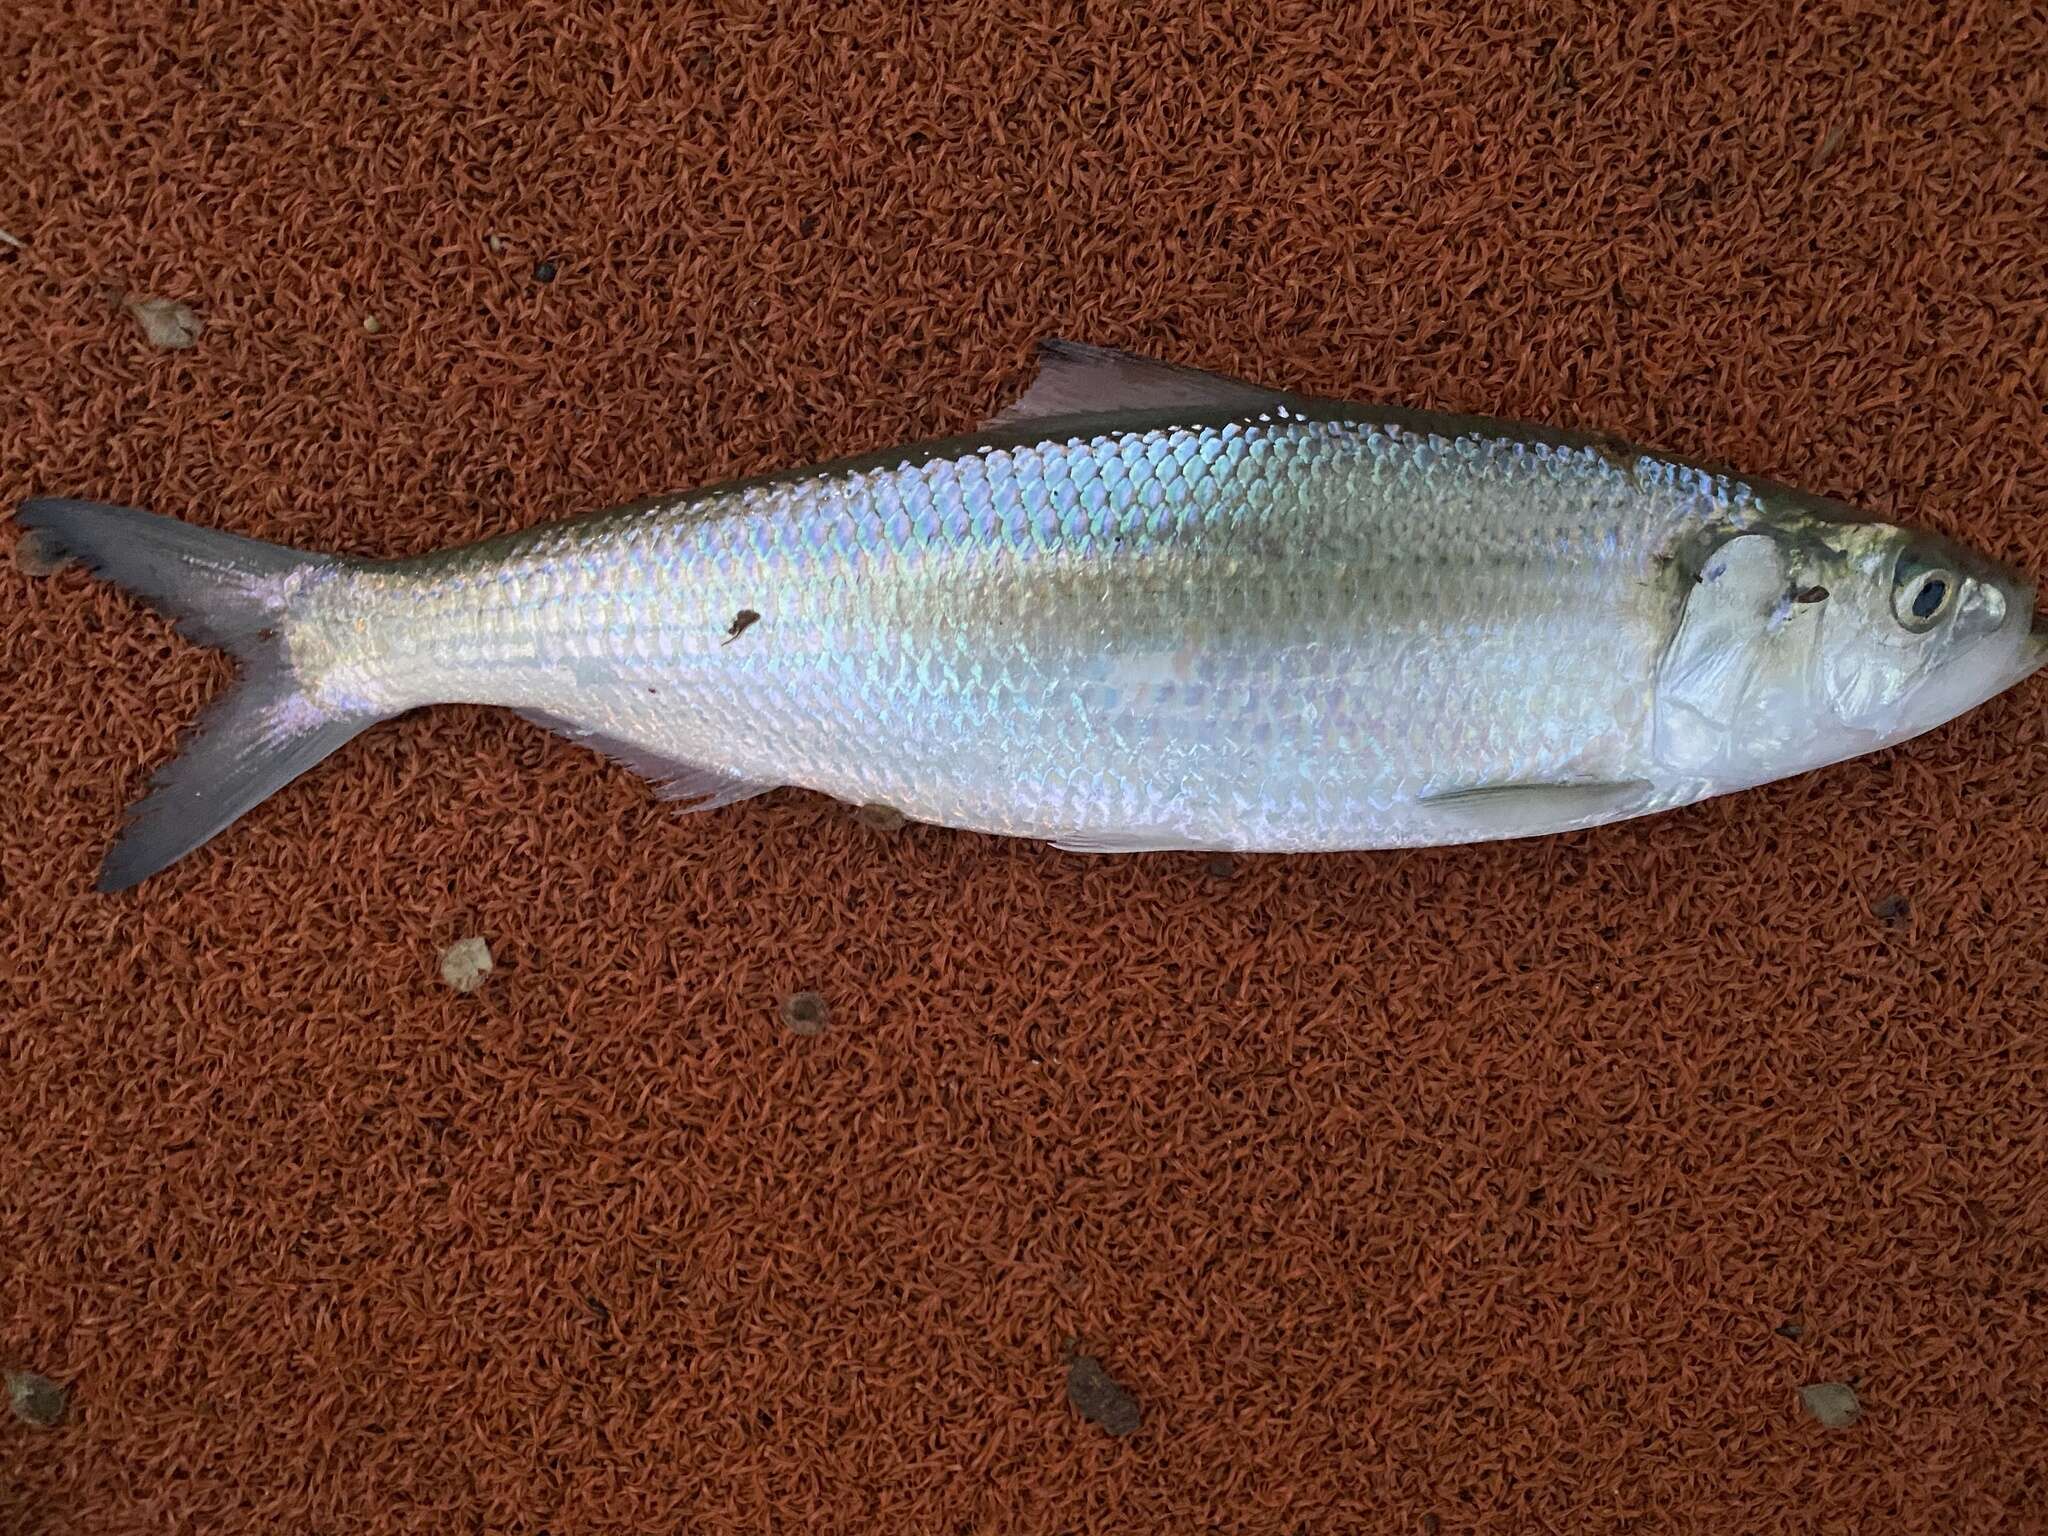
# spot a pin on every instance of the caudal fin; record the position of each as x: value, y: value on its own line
x: 224, y: 591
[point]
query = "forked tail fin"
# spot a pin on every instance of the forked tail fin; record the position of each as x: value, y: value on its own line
x: 224, y: 591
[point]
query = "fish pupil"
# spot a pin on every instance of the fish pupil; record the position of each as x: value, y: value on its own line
x: 1928, y: 600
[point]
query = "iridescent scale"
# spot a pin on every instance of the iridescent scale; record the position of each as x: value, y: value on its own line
x: 1272, y: 632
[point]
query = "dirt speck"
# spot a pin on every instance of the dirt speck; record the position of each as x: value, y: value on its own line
x: 877, y: 817
x: 35, y: 1399
x: 1098, y: 1398
x: 742, y: 621
x: 1810, y: 595
x: 1892, y: 909
x: 1791, y: 1328
x: 806, y: 1013
x: 166, y: 322
x: 544, y: 271
x: 1431, y: 1525
x: 1832, y: 1402
x: 37, y: 554
x: 465, y: 964
x: 1221, y: 866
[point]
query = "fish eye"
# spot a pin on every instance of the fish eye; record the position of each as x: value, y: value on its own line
x: 1921, y: 593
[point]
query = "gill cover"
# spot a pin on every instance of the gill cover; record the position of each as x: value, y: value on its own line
x: 1736, y: 684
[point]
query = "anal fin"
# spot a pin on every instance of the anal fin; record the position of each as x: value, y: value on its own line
x: 706, y: 789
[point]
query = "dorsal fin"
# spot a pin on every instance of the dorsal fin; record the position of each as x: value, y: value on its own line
x: 1075, y: 379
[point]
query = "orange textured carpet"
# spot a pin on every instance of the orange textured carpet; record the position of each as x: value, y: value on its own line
x: 1505, y: 1189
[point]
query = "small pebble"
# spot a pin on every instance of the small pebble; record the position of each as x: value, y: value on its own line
x: 1832, y: 1402
x: 494, y: 245
x: 806, y: 1013
x: 166, y: 322
x: 544, y: 272
x: 372, y: 324
x: 34, y: 1399
x: 1098, y: 1398
x: 464, y: 965
x: 880, y: 818
x: 1891, y: 908
x: 1221, y: 866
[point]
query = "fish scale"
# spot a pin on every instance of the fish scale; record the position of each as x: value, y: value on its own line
x: 1271, y: 631
x: 1145, y: 607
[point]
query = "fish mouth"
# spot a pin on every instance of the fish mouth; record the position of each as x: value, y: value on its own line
x: 2033, y: 653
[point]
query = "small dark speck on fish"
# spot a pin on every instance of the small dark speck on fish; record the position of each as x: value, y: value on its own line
x: 1615, y: 454
x: 742, y: 621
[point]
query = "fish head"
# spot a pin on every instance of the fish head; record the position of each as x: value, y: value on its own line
x: 1807, y: 639
x: 1929, y: 629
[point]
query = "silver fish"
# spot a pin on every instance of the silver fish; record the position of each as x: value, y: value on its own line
x: 1144, y: 608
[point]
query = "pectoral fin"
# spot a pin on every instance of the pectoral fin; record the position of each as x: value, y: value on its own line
x: 1510, y: 810
x: 1141, y: 841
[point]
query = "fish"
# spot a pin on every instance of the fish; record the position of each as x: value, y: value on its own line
x: 1144, y: 607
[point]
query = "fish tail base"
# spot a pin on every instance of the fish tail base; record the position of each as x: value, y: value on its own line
x: 224, y: 591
